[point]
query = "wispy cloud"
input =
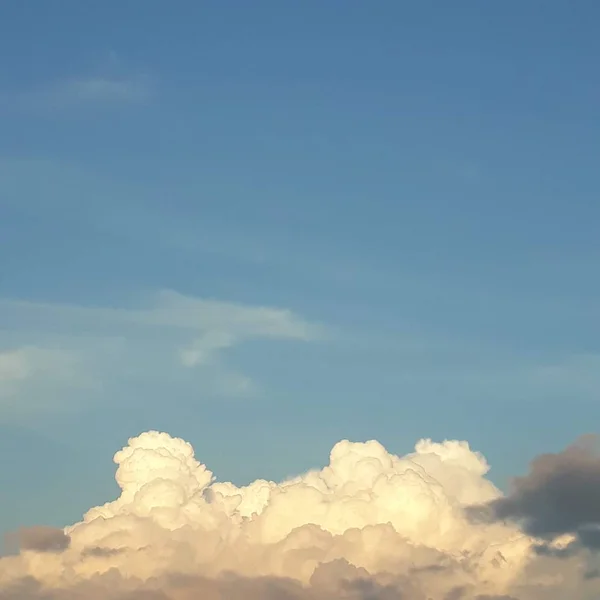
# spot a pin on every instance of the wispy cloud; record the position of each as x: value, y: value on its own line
x: 72, y: 344
x: 28, y: 362
x: 14, y: 366
x: 205, y: 347
x: 102, y: 89
x: 516, y: 377
x: 31, y: 375
x: 173, y: 310
x: 84, y: 90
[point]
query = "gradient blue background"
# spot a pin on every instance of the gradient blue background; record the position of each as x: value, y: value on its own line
x: 421, y: 178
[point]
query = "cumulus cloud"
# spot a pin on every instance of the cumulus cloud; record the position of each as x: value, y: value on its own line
x: 368, y: 525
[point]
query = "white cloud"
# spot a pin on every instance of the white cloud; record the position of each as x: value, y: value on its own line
x: 97, y: 346
x: 171, y: 310
x: 228, y: 318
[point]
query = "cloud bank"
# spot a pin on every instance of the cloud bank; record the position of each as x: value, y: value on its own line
x: 369, y: 525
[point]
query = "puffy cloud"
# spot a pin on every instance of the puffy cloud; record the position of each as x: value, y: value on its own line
x: 369, y: 525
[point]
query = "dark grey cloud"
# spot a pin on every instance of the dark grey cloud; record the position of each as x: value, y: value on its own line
x: 26, y: 588
x: 461, y: 593
x: 39, y: 539
x: 98, y: 551
x: 456, y: 593
x: 567, y: 551
x: 559, y: 495
x: 112, y: 586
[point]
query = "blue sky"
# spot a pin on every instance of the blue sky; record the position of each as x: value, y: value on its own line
x: 268, y: 226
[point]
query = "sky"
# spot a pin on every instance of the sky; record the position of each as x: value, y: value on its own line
x: 266, y: 227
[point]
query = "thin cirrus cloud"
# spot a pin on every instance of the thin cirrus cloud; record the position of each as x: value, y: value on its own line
x: 84, y: 90
x: 22, y: 363
x: 64, y: 345
x: 104, y: 89
x: 28, y: 368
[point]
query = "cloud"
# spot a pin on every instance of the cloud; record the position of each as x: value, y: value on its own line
x: 368, y: 525
x: 22, y: 363
x: 103, y: 89
x: 204, y: 348
x: 171, y: 310
x: 226, y: 588
x: 90, y: 347
x: 14, y: 366
x: 86, y: 90
x: 40, y: 539
x: 558, y: 500
x: 25, y: 368
x: 578, y: 372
